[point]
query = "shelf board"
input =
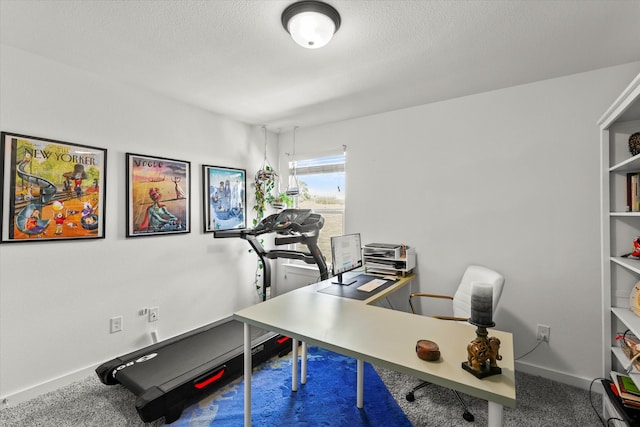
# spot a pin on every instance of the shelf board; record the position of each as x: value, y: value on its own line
x: 614, y: 421
x: 629, y: 165
x: 624, y: 361
x: 627, y: 317
x: 624, y: 213
x: 612, y: 411
x: 628, y: 263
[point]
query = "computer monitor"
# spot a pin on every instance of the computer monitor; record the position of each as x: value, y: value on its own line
x: 346, y: 255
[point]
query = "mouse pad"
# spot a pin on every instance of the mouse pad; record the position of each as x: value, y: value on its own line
x: 351, y: 291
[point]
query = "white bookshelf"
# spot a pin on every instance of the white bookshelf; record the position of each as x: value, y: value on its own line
x: 619, y: 229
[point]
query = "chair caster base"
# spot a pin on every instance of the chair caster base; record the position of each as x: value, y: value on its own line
x: 468, y: 416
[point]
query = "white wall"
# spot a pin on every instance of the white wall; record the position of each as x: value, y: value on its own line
x: 508, y: 179
x: 56, y: 298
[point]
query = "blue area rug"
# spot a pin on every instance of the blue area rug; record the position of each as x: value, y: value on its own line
x: 327, y: 399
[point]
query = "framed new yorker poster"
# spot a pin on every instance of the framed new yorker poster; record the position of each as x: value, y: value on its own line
x: 51, y: 190
x: 224, y: 198
x: 158, y: 192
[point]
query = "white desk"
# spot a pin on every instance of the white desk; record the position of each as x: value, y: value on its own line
x: 382, y: 337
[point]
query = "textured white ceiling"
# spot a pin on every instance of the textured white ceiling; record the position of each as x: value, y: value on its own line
x: 234, y: 58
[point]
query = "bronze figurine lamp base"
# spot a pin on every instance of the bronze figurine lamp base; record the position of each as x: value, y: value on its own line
x: 482, y: 352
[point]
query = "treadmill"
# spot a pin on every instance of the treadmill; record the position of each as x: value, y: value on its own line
x: 168, y: 376
x: 291, y: 226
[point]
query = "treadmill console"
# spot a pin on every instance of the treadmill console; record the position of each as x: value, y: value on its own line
x: 286, y: 221
x: 287, y: 218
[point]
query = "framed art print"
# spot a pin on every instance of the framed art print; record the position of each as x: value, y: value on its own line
x: 158, y: 193
x: 51, y: 190
x: 224, y: 198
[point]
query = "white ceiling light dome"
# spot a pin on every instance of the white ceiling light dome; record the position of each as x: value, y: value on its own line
x: 311, y: 23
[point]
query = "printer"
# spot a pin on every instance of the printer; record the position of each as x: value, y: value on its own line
x: 383, y: 250
x: 389, y: 257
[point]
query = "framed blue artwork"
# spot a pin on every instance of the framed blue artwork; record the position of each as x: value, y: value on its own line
x: 224, y: 198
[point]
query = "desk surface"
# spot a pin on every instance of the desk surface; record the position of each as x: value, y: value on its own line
x: 384, y: 337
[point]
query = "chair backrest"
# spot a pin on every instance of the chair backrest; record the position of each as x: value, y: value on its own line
x: 476, y: 274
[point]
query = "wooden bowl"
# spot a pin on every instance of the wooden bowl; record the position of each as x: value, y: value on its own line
x: 428, y: 350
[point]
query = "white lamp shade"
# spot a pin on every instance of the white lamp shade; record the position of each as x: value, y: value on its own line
x: 311, y: 29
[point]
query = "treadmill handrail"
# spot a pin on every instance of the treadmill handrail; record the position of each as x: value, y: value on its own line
x: 289, y: 254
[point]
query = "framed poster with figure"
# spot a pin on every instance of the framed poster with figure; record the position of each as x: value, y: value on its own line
x: 51, y: 190
x: 158, y: 196
x: 224, y: 198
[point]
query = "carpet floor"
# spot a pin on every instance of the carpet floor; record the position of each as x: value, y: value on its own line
x: 540, y: 402
x: 327, y: 399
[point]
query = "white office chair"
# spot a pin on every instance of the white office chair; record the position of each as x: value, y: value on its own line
x: 461, y: 308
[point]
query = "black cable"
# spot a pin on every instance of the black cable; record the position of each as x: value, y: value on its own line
x: 594, y: 406
x: 389, y: 302
x: 530, y: 351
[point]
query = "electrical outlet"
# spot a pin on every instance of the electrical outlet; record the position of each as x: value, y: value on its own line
x: 543, y: 332
x: 154, y: 314
x: 116, y: 324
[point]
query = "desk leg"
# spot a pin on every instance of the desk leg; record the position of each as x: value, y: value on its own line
x: 360, y: 385
x: 495, y: 414
x: 303, y: 362
x: 247, y: 375
x: 294, y: 365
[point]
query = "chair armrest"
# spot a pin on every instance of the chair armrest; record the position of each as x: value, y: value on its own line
x: 457, y: 319
x: 419, y: 294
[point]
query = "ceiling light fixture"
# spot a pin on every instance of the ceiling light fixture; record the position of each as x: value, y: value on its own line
x: 311, y: 23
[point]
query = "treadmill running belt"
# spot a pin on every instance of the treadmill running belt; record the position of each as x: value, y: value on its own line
x: 170, y: 374
x: 212, y: 346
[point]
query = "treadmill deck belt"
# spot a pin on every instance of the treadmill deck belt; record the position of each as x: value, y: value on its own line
x: 168, y: 375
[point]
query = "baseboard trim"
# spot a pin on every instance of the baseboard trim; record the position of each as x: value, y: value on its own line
x: 28, y: 393
x: 562, y: 377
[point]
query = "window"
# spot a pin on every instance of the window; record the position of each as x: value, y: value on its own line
x: 321, y: 185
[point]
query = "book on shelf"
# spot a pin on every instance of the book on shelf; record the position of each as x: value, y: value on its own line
x: 626, y: 383
x: 633, y: 192
x: 627, y: 389
x: 629, y: 414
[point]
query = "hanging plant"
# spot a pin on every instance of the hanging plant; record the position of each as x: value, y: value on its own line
x: 293, y: 188
x: 263, y: 184
x: 282, y: 201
